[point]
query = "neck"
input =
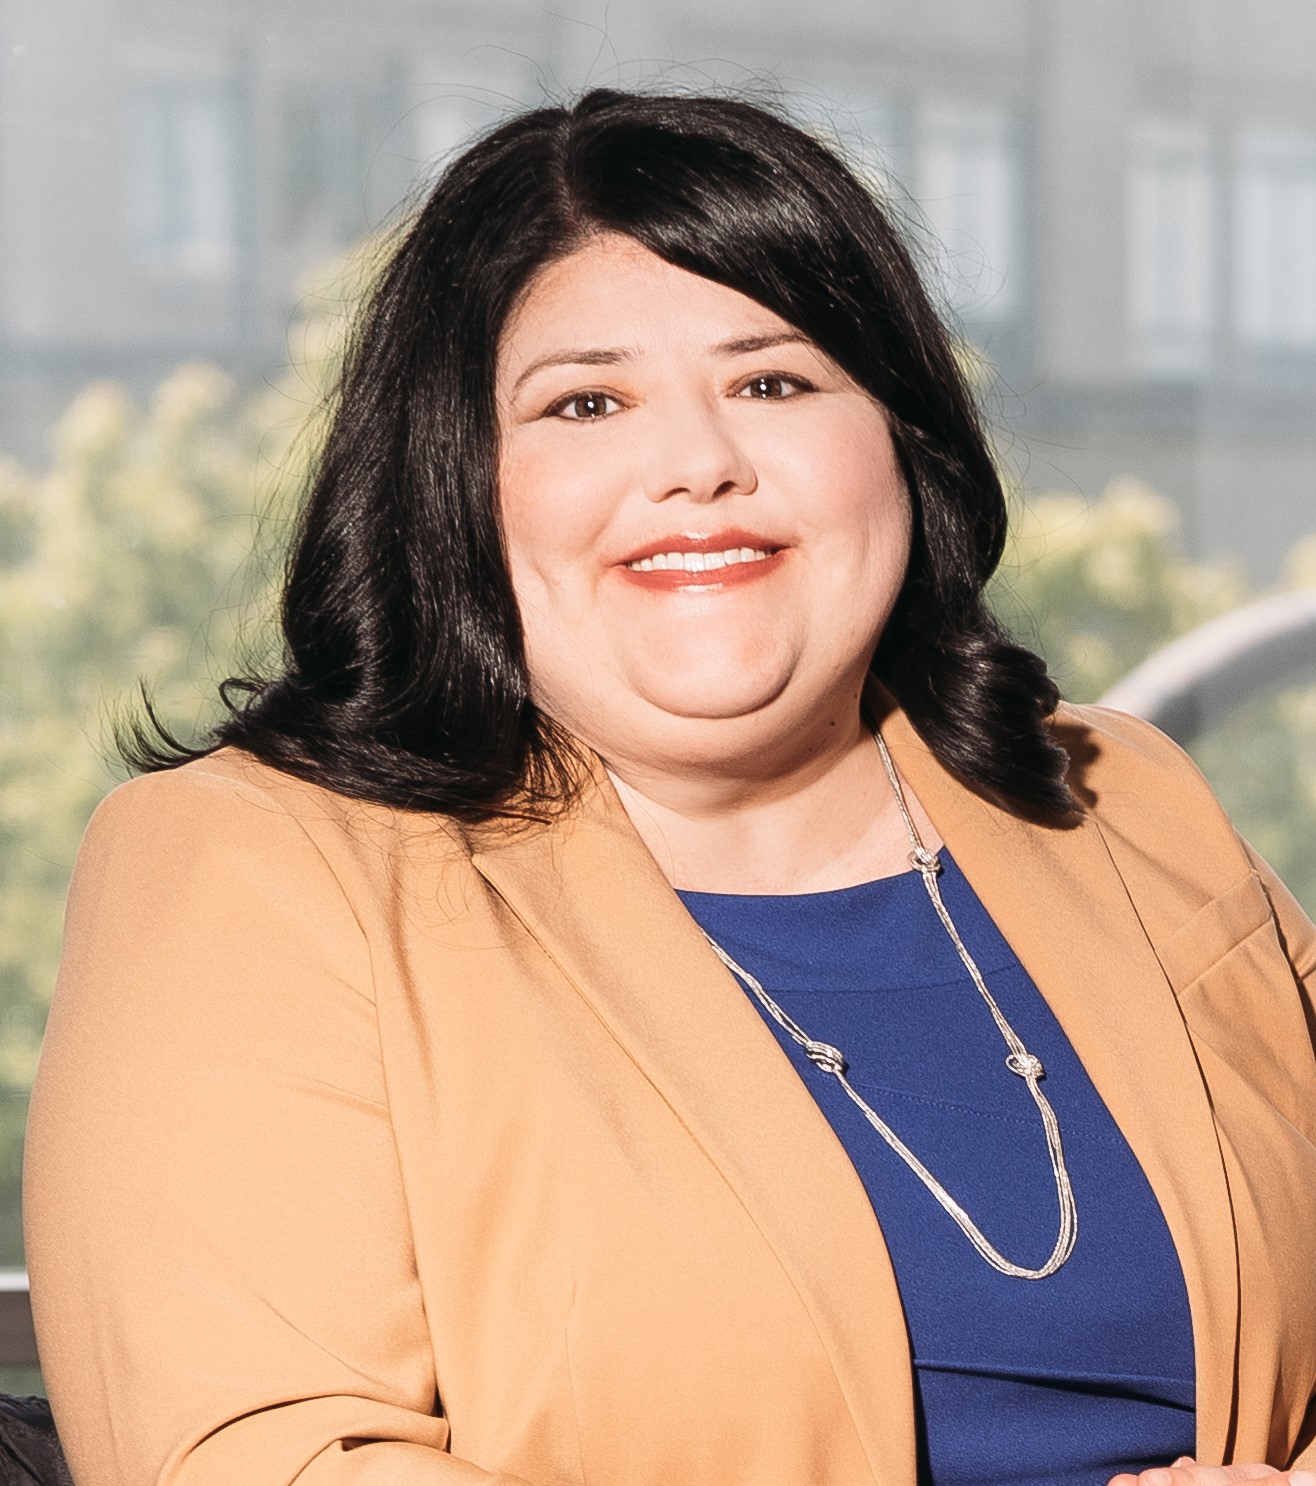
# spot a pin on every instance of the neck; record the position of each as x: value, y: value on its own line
x: 826, y: 819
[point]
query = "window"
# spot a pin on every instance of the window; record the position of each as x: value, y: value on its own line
x: 1171, y: 230
x: 182, y: 175
x: 1275, y: 240
x: 332, y: 131
x: 966, y: 180
x: 869, y: 130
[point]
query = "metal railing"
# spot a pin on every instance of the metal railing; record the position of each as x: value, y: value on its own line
x: 1254, y: 649
x: 18, y: 1342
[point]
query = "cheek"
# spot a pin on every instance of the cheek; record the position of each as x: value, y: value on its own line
x: 553, y: 515
x: 855, y: 505
x: 878, y: 489
x: 893, y: 523
x: 525, y: 503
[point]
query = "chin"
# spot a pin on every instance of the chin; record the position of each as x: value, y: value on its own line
x: 706, y: 677
x: 717, y: 699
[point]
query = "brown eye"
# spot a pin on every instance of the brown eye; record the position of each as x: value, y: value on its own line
x: 585, y: 407
x: 766, y: 387
x: 770, y: 386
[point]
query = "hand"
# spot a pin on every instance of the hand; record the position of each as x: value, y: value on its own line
x: 1186, y: 1472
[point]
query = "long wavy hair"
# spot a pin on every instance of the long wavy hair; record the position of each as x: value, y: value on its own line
x: 403, y: 678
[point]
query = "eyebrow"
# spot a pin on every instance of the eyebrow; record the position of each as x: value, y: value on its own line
x: 615, y: 355
x: 744, y: 345
x: 600, y: 356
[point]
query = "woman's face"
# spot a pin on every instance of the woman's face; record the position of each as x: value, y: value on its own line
x: 704, y: 519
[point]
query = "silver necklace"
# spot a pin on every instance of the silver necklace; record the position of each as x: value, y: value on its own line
x: 1018, y: 1060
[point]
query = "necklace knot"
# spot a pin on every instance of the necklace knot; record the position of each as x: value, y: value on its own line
x: 1026, y: 1065
x: 830, y: 1059
x: 925, y: 861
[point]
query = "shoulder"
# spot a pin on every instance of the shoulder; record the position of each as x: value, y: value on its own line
x: 1120, y: 763
x: 227, y: 789
x: 1104, y: 745
x: 232, y: 791
x: 230, y: 815
x: 1163, y: 827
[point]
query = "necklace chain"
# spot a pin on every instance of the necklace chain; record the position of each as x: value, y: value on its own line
x: 1018, y: 1060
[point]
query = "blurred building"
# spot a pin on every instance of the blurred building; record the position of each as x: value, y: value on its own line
x: 1116, y: 198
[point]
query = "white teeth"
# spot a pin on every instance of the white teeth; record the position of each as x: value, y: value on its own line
x: 696, y: 562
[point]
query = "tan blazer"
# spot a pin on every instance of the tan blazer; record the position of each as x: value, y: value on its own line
x: 346, y: 1117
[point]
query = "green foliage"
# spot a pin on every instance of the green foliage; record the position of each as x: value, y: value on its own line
x: 149, y: 550
x: 1261, y: 760
x: 133, y: 555
x: 1098, y: 586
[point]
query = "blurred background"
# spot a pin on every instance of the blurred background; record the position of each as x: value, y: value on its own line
x: 1114, y: 201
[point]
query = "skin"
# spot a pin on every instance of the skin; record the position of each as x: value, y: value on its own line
x: 1186, y: 1472
x: 642, y: 408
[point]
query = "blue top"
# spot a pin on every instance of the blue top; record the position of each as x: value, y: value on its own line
x: 1070, y: 1379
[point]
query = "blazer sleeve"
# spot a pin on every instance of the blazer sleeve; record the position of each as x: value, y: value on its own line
x: 1298, y: 936
x: 223, y: 1280
x: 1296, y: 931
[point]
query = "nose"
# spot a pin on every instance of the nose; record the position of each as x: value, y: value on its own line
x: 695, y: 453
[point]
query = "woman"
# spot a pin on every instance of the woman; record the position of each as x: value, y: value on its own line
x: 524, y: 1052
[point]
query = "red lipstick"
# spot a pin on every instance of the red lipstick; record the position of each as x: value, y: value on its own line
x: 741, y: 557
x: 715, y: 541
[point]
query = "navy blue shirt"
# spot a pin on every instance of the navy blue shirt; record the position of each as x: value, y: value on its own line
x: 1070, y: 1379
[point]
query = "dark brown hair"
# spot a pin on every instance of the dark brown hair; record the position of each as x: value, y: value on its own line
x: 404, y: 677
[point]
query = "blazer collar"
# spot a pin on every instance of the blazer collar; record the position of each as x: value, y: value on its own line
x: 591, y: 894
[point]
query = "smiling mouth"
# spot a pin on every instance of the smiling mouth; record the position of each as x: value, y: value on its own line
x: 698, y: 562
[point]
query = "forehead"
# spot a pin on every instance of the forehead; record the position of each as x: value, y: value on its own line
x: 612, y: 292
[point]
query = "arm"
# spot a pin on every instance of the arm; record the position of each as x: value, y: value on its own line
x: 1296, y: 931
x: 1298, y: 936
x: 220, y: 1255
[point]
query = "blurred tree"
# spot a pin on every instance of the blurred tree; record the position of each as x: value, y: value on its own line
x: 1262, y: 761
x: 133, y: 555
x: 1098, y: 586
x: 149, y: 550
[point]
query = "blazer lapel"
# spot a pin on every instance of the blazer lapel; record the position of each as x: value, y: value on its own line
x: 1061, y: 904
x: 593, y: 897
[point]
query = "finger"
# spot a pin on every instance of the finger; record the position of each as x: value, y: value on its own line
x: 1252, y: 1471
x: 1222, y: 1475
x: 1192, y: 1474
x: 1186, y: 1472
